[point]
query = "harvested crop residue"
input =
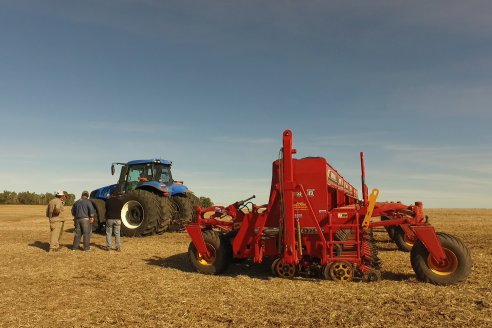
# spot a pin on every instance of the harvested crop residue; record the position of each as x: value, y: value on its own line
x: 151, y: 284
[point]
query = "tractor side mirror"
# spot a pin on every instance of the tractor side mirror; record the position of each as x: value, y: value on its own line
x: 112, y: 169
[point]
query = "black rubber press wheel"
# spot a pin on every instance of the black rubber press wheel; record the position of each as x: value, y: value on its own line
x: 455, y: 269
x: 220, y: 254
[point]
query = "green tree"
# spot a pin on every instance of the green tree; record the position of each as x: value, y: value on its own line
x: 8, y: 197
x: 205, y: 202
x: 28, y: 198
x: 70, y: 199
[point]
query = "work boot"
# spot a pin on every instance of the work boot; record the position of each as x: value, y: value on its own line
x: 118, y: 249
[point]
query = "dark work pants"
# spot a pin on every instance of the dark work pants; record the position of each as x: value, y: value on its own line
x: 82, y: 226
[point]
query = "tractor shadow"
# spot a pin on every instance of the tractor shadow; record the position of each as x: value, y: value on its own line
x: 244, y: 268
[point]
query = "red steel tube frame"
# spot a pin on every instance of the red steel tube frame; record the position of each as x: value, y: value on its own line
x: 289, y: 255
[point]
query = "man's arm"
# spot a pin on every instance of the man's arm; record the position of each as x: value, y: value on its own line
x: 92, y: 212
x: 58, y: 208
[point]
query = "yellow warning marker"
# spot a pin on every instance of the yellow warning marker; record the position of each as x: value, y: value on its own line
x: 370, y: 207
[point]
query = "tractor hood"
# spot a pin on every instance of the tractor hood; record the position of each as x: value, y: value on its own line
x: 103, y: 192
x: 174, y: 189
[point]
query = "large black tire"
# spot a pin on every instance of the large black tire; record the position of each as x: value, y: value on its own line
x: 194, y: 201
x: 389, y: 229
x: 100, y: 217
x: 183, y: 212
x: 457, y: 268
x: 140, y: 214
x: 403, y: 243
x: 166, y: 210
x: 221, y: 252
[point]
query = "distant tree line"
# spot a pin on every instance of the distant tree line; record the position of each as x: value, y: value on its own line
x: 31, y: 198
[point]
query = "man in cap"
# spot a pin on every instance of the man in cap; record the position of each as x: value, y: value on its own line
x: 54, y: 212
x: 83, y: 212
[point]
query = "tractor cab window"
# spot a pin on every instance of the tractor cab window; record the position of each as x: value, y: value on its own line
x: 163, y: 174
x: 138, y: 173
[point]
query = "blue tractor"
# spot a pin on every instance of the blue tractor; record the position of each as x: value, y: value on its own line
x: 153, y: 201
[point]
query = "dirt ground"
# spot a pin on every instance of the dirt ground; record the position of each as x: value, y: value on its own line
x: 151, y: 284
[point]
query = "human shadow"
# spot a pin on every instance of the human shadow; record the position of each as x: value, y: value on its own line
x: 41, y: 245
x: 236, y: 268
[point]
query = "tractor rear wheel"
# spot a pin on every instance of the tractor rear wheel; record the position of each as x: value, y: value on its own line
x: 99, y: 218
x: 402, y: 241
x: 455, y: 269
x: 220, y: 254
x: 194, y: 201
x: 165, y: 217
x: 140, y: 213
x: 183, y: 212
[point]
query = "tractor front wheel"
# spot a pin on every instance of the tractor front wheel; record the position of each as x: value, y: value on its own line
x: 220, y: 254
x: 454, y: 269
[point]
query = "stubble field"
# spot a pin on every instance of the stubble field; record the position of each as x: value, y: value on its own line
x: 151, y: 284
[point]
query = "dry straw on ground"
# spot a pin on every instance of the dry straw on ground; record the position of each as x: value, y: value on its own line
x: 151, y: 284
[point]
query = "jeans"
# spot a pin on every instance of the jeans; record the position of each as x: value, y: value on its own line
x: 112, y: 224
x: 82, y: 226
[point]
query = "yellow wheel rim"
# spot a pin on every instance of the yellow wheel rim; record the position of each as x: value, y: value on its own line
x: 448, y: 267
x: 341, y: 271
x: 207, y: 261
x: 284, y: 270
x: 409, y: 241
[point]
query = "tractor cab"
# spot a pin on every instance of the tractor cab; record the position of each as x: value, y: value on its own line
x: 139, y: 173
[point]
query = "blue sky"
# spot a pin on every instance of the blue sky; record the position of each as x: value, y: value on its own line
x: 211, y: 85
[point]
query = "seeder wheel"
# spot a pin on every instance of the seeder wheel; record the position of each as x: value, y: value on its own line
x: 455, y: 269
x: 283, y: 270
x: 340, y: 271
x: 402, y: 241
x: 220, y: 254
x: 372, y: 276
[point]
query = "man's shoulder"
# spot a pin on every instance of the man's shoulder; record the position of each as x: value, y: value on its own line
x: 55, y: 200
x: 85, y: 201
